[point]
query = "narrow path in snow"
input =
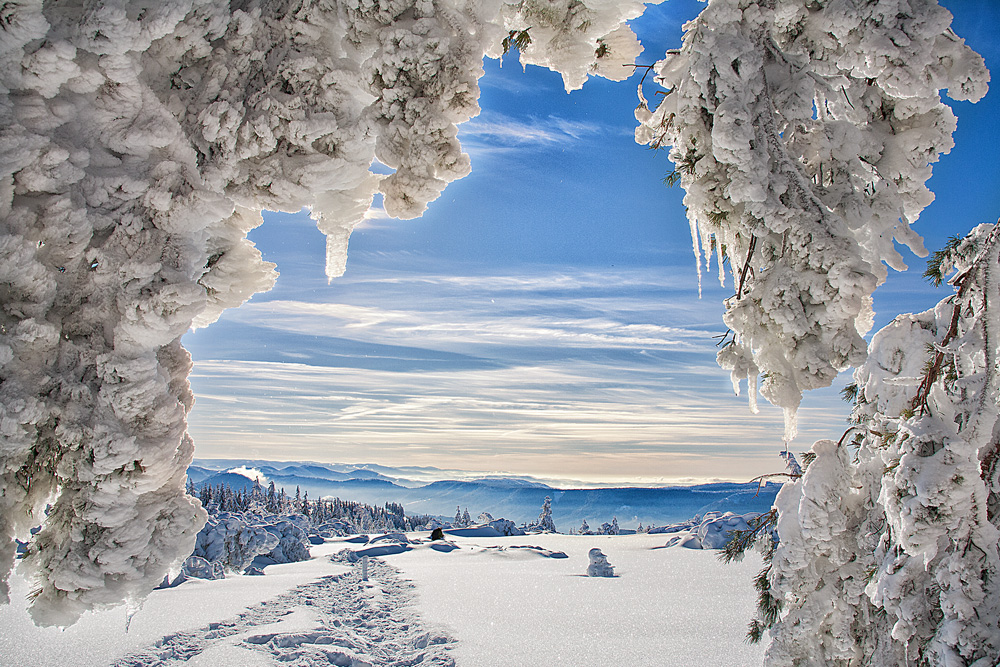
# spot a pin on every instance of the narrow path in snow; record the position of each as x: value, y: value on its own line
x: 336, y: 620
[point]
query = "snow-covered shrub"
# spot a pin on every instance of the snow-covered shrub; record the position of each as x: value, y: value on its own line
x: 599, y: 565
x: 233, y: 542
x: 196, y: 567
x: 293, y: 541
x: 713, y: 531
x: 505, y: 527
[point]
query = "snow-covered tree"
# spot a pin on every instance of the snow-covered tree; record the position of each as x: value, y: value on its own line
x: 545, y: 522
x: 140, y: 142
x: 803, y: 134
x: 585, y: 528
x: 609, y: 528
x: 891, y: 554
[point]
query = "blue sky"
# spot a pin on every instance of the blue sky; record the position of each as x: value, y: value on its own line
x: 543, y: 316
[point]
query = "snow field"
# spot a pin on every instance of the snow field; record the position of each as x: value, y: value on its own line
x: 505, y: 606
x: 100, y: 638
x: 480, y: 600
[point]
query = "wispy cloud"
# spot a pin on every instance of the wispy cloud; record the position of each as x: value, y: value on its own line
x: 457, y: 330
x: 498, y: 130
x: 549, y: 414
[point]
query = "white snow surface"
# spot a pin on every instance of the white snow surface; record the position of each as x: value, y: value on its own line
x: 100, y: 637
x: 520, y: 600
x: 506, y: 606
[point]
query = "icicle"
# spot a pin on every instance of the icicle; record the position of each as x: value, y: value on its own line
x: 719, y: 261
x: 791, y: 423
x: 752, y: 392
x: 697, y: 252
x: 706, y: 248
x: 132, y: 607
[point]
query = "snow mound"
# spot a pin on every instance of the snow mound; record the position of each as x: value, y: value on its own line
x: 525, y: 551
x: 492, y: 528
x: 599, y: 565
x: 390, y: 537
x: 475, y: 531
x: 380, y: 550
x: 713, y: 531
x: 540, y: 551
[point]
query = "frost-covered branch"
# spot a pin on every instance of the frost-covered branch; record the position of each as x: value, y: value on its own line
x: 140, y: 141
x: 892, y: 554
x: 803, y: 134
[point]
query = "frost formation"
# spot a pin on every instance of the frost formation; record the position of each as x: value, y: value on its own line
x: 140, y: 141
x: 889, y: 545
x: 803, y: 133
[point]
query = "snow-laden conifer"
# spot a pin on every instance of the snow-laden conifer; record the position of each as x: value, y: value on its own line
x: 545, y: 523
x: 140, y: 142
x: 889, y: 549
x: 803, y: 134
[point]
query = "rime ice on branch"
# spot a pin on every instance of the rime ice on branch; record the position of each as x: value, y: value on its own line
x: 803, y: 134
x: 140, y: 142
x: 892, y: 554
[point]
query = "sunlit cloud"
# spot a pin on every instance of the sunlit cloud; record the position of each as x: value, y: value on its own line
x: 481, y: 418
x: 455, y: 330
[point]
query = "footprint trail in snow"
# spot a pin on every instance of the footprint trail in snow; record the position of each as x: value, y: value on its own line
x: 352, y: 623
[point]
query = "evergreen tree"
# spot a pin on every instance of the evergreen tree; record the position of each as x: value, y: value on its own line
x: 545, y: 522
x: 892, y: 551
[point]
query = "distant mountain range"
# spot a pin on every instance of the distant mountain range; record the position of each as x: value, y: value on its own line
x: 516, y: 498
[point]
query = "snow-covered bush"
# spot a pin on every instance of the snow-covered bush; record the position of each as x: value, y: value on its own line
x: 196, y: 567
x: 233, y: 540
x: 713, y: 531
x: 293, y: 540
x: 505, y: 527
x: 599, y: 565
